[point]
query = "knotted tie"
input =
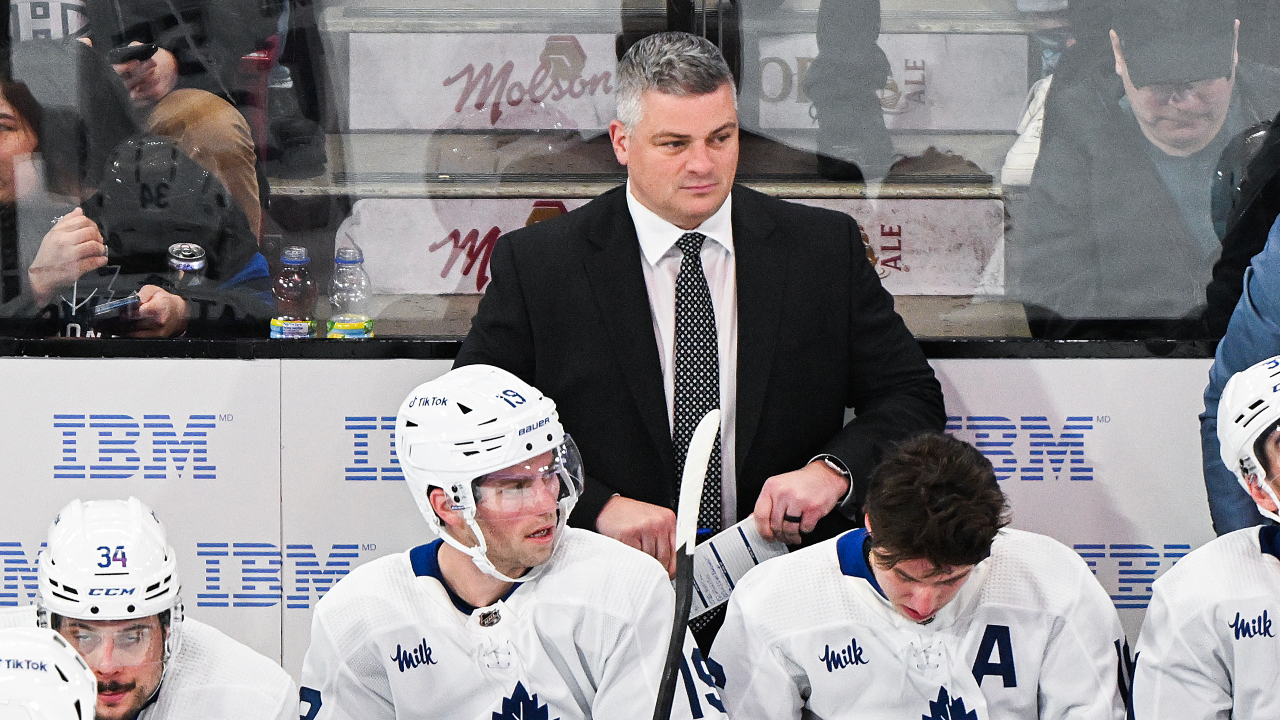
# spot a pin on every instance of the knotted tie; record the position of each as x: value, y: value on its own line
x: 697, y: 371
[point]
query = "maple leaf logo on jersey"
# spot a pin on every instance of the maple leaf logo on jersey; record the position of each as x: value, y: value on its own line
x: 523, y: 706
x: 944, y: 708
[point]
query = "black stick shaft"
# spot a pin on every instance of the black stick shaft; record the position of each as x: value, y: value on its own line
x: 679, y: 626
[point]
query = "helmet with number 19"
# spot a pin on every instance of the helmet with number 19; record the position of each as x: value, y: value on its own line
x: 458, y: 431
x: 42, y: 678
x: 1248, y: 414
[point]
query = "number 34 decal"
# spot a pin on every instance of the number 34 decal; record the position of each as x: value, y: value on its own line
x: 110, y: 556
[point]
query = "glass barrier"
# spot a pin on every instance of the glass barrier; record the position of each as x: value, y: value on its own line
x: 268, y: 168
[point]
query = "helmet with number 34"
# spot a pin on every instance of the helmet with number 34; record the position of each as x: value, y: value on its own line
x: 110, y: 560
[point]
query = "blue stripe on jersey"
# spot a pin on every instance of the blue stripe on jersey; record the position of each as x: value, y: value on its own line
x: 851, y: 548
x: 425, y: 560
x: 1269, y: 539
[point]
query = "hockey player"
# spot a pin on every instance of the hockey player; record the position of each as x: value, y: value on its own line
x: 42, y: 678
x: 1208, y: 648
x: 108, y: 583
x: 510, y: 614
x: 933, y: 611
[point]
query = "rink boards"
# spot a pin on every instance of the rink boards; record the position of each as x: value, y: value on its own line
x: 276, y: 477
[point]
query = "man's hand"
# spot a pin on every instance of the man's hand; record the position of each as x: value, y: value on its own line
x: 160, y: 314
x: 807, y: 494
x: 646, y: 527
x: 72, y: 248
x: 149, y: 80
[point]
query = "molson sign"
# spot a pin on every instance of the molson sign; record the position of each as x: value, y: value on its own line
x: 443, y: 246
x: 437, y: 81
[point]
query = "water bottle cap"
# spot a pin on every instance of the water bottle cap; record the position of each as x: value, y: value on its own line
x: 349, y: 256
x: 294, y: 255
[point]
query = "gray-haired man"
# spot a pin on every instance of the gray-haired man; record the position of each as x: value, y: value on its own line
x: 776, y: 317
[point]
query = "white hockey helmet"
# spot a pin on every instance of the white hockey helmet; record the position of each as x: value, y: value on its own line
x: 110, y: 560
x: 1248, y: 411
x: 42, y: 678
x: 475, y: 420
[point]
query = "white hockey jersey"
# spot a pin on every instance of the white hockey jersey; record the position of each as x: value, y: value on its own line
x: 1031, y: 634
x: 211, y: 678
x: 214, y: 677
x: 587, y: 638
x: 1208, y: 647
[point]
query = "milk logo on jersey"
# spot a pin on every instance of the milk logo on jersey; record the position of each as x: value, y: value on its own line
x: 1126, y: 570
x: 373, y: 445
x: 948, y: 708
x: 522, y: 706
x: 1031, y: 447
x: 840, y: 658
x: 417, y: 656
x: 1245, y: 628
x: 103, y: 446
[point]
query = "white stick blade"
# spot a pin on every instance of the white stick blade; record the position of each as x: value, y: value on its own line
x: 695, y: 472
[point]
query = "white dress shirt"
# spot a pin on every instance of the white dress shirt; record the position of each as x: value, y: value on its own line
x: 661, y: 261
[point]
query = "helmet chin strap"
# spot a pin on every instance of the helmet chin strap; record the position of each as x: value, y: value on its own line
x: 479, y: 553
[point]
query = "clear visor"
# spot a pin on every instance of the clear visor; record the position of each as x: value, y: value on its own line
x: 126, y: 646
x: 532, y: 487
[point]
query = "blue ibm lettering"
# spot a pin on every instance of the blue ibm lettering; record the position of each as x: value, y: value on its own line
x: 420, y: 655
x: 373, y: 447
x: 17, y: 574
x: 112, y: 447
x: 1129, y: 569
x: 1257, y: 627
x: 243, y: 575
x: 1028, y: 448
x: 535, y: 426
x: 848, y: 657
x: 19, y: 664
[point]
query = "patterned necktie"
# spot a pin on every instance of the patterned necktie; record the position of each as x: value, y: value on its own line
x: 697, y: 371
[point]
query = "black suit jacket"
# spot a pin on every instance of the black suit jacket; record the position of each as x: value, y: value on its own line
x: 567, y: 311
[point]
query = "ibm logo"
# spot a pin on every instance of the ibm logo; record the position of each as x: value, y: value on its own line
x: 17, y: 574
x: 373, y: 448
x: 242, y: 575
x: 115, y: 447
x: 253, y: 574
x: 1130, y: 569
x: 1030, y: 447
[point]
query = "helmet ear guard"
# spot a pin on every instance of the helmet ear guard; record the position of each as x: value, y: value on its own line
x: 470, y: 422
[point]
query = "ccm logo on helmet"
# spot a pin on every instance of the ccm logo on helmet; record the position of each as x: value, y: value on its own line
x: 535, y: 426
x: 111, y: 591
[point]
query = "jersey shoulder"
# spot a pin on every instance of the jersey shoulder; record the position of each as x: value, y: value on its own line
x: 20, y: 616
x: 803, y: 590
x: 209, y: 664
x: 598, y: 571
x: 1228, y: 566
x: 1035, y: 571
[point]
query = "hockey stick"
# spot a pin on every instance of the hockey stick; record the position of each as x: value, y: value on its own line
x: 695, y: 472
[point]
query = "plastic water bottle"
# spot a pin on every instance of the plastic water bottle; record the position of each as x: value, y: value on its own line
x: 349, y: 296
x: 295, y: 294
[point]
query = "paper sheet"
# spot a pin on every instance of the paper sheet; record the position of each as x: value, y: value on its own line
x: 720, y: 562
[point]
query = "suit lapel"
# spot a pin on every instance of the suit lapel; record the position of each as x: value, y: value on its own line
x: 761, y: 261
x: 614, y: 270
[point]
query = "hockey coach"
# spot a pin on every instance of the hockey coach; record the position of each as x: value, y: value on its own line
x: 934, y: 610
x: 680, y: 292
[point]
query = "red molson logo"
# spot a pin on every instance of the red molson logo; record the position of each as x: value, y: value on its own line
x: 477, y: 249
x: 558, y: 75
